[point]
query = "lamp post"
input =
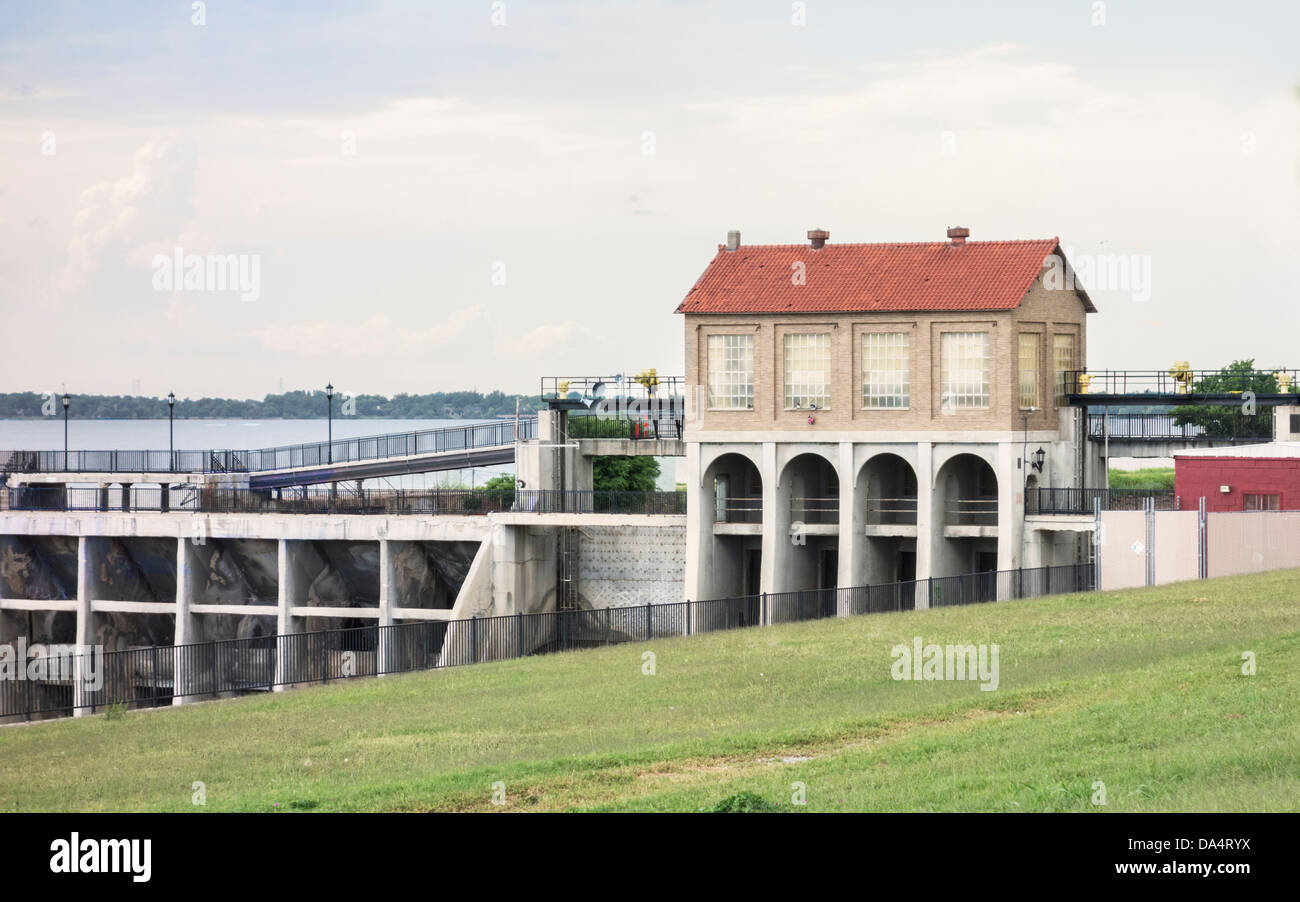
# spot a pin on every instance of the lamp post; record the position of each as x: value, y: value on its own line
x: 171, y: 432
x: 66, y: 402
x: 329, y: 397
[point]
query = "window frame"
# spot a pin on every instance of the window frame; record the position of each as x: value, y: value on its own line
x: 898, y: 377
x: 986, y: 386
x: 826, y: 399
x: 1037, y: 398
x: 1058, y: 372
x: 733, y: 384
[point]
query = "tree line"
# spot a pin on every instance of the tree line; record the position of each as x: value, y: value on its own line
x: 294, y: 405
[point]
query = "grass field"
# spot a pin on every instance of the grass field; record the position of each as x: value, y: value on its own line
x: 1141, y: 690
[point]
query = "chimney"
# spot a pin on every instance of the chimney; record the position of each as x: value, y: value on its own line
x: 733, y: 240
x: 818, y: 238
x: 958, y: 234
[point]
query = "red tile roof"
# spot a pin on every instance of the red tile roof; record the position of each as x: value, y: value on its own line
x: 852, y: 278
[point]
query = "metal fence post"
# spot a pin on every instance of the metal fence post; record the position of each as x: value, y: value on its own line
x: 519, y: 635
x: 649, y: 624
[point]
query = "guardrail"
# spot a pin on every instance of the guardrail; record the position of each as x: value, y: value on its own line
x: 374, y: 447
x: 1082, y: 501
x: 971, y: 512
x: 891, y: 511
x: 1164, y: 382
x: 426, y: 502
x: 739, y: 509
x: 1155, y: 427
x: 156, y: 675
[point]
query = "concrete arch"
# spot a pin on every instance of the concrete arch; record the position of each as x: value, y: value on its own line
x: 945, y: 453
x: 886, y: 518
x: 709, y: 455
x: 786, y: 453
x: 726, y: 513
x: 864, y: 453
x: 965, y: 508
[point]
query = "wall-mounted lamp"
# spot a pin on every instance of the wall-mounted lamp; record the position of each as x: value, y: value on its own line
x: 1039, y: 456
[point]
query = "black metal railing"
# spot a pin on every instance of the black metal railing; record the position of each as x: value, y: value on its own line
x: 589, y: 502
x: 157, y: 675
x: 1177, y: 382
x: 666, y: 424
x: 1082, y: 501
x: 329, y: 500
x: 1156, y: 427
x: 374, y: 447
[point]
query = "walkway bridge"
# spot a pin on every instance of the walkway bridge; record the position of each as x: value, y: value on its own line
x: 366, y: 457
x: 1247, y: 395
x: 640, y: 415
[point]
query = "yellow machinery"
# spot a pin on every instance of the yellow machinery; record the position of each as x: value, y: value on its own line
x: 1181, y: 373
x: 649, y: 378
x: 1283, y: 381
x: 1085, y: 381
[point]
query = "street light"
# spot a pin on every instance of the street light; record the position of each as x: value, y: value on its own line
x: 171, y: 432
x: 329, y: 396
x: 66, y: 402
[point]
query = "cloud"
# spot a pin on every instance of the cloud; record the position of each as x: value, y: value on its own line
x: 125, y: 220
x: 544, y: 339
x: 376, y: 336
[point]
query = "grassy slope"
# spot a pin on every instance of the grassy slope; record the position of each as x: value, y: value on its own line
x: 1142, y: 690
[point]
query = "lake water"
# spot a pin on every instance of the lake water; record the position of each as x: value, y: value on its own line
x: 46, y: 434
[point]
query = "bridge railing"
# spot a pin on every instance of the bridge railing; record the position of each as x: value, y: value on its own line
x: 1081, y: 501
x: 325, y: 500
x: 1166, y: 382
x: 130, y: 461
x: 1156, y: 427
x: 398, y: 444
x: 373, y: 447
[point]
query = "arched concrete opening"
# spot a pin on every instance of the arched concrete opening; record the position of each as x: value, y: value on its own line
x: 807, y: 521
x: 731, y: 527
x: 885, y: 496
x: 966, y: 510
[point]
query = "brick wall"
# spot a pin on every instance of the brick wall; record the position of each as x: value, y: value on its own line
x: 1042, y: 311
x: 1196, y: 477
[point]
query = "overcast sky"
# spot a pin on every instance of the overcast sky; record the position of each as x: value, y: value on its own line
x: 439, y: 201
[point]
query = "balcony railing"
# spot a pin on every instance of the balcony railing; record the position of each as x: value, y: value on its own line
x: 814, y: 510
x: 891, y: 511
x: 739, y: 509
x: 971, y: 512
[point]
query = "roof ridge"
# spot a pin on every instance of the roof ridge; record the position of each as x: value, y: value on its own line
x: 968, y: 243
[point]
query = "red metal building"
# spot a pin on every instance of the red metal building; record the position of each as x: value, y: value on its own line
x: 1249, y: 477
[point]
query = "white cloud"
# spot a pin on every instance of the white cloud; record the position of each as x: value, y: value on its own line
x: 545, y: 339
x: 129, y: 217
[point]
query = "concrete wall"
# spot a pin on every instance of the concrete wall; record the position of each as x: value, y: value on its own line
x: 631, y: 565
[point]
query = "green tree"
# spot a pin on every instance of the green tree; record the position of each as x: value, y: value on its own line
x: 625, y: 474
x: 1241, y: 420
